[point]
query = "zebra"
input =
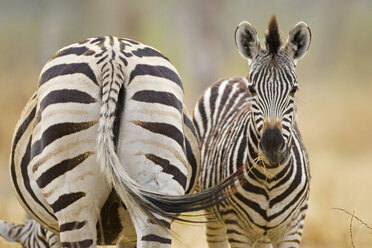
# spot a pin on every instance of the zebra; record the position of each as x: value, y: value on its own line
x: 115, y: 226
x: 107, y: 122
x: 251, y: 123
x: 29, y: 235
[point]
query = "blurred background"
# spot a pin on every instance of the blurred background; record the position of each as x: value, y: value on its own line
x: 334, y: 101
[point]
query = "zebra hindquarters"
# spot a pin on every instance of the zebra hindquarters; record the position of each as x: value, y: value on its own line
x: 151, y: 149
x: 64, y: 163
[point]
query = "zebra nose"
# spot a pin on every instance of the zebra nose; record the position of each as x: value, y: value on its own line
x: 272, y: 145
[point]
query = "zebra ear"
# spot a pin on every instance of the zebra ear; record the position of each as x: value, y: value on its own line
x: 298, y: 42
x: 246, y: 41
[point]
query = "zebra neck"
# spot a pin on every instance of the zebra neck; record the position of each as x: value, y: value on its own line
x: 256, y: 167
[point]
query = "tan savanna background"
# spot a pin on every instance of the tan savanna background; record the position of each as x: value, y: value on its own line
x: 334, y: 101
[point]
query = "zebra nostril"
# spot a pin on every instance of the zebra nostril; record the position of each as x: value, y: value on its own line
x: 282, y: 148
x: 260, y: 148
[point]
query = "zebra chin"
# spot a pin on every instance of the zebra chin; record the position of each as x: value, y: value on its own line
x: 273, y: 159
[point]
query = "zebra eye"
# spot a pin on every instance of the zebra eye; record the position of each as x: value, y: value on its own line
x: 293, y: 90
x: 252, y: 90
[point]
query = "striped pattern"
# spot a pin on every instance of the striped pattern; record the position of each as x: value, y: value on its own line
x: 241, y: 123
x: 29, y: 235
x: 113, y: 107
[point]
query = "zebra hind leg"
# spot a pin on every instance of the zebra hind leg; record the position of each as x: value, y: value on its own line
x: 149, y: 233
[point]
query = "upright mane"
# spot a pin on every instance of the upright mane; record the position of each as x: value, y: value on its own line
x: 273, y: 41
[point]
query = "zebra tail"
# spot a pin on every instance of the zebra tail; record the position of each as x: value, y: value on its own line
x: 133, y: 194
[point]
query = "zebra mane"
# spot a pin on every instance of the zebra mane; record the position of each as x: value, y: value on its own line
x: 273, y: 41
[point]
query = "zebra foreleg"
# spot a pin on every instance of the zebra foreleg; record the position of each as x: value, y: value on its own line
x: 216, y: 234
x: 263, y: 243
x: 292, y: 238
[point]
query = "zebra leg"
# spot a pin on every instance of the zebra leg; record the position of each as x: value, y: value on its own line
x: 263, y: 243
x: 77, y: 210
x: 216, y: 234
x: 149, y: 233
x: 30, y: 235
x: 80, y: 234
x: 292, y: 238
x: 11, y: 231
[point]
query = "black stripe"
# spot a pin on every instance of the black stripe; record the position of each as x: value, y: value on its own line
x: 169, y: 169
x: 224, y: 98
x: 120, y: 103
x: 248, y: 187
x: 163, y: 222
x: 42, y: 239
x: 81, y: 244
x: 123, y: 60
x: 60, y: 169
x: 161, y: 97
x: 242, y: 148
x: 204, y: 119
x: 98, y: 40
x: 156, y: 238
x: 235, y: 241
x: 253, y: 205
x: 69, y: 226
x: 57, y: 131
x: 284, y: 175
x: 126, y: 54
x: 156, y: 71
x: 66, y: 200
x: 74, y: 50
x: 190, y: 125
x: 148, y: 52
x: 164, y: 129
x: 233, y: 231
x: 212, y: 101
x: 101, y: 59
x: 296, y: 181
x: 130, y: 41
x: 26, y: 180
x: 243, y: 210
x: 192, y: 161
x: 66, y: 95
x: 67, y: 69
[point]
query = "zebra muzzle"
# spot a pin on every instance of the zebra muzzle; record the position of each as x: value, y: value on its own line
x: 273, y: 146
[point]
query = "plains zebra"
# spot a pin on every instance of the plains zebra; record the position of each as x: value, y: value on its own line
x: 108, y: 113
x: 114, y: 225
x: 252, y: 122
x: 29, y: 235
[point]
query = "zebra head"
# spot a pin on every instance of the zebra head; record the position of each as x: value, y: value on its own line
x: 273, y: 84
